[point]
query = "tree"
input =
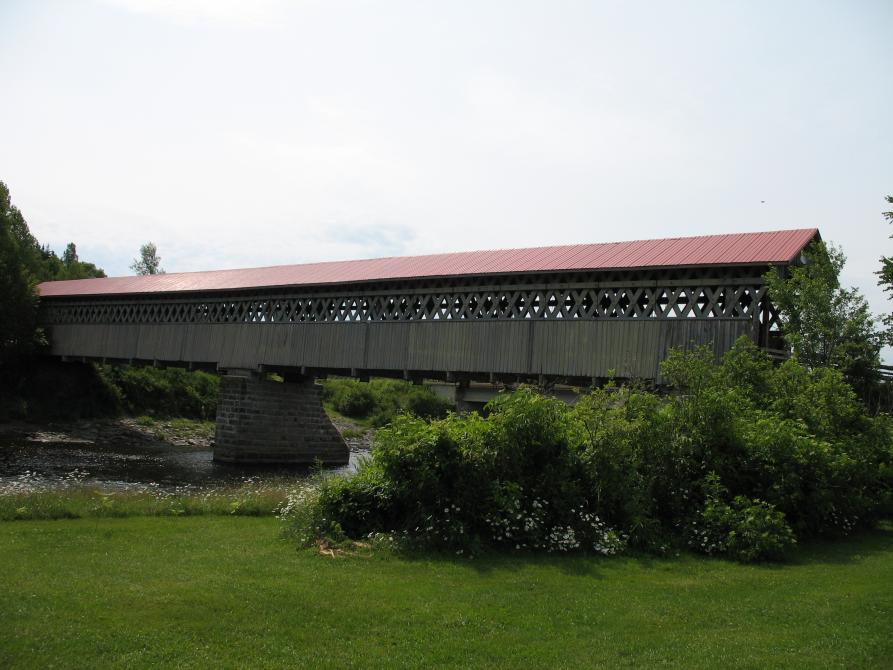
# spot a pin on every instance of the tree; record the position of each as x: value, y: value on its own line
x: 825, y: 324
x: 18, y: 302
x: 23, y: 263
x: 149, y: 262
x: 70, y: 256
x: 72, y: 266
x: 886, y: 274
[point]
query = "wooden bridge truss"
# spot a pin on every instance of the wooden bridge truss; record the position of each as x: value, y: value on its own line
x: 695, y: 293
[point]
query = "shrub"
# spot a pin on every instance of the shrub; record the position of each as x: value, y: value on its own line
x: 740, y: 459
x: 747, y: 530
x: 758, y: 532
x: 381, y: 400
x: 464, y: 482
x: 353, y: 400
x: 425, y: 403
x: 165, y: 391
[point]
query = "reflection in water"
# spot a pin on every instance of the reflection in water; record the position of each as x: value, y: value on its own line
x: 29, y: 466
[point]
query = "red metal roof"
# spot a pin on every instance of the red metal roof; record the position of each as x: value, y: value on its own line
x: 739, y: 249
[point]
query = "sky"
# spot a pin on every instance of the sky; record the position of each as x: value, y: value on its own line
x: 236, y: 134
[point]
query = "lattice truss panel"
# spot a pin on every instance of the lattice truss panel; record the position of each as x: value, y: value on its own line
x: 598, y: 298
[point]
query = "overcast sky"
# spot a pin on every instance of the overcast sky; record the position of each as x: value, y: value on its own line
x: 244, y: 134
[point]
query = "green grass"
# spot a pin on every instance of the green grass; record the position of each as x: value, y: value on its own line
x: 176, y: 427
x: 229, y: 592
x: 363, y: 423
x: 260, y: 498
x: 352, y: 433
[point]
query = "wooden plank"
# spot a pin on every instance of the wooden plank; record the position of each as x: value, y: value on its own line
x: 562, y: 347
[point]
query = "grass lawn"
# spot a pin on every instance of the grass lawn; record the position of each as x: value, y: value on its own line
x: 215, y: 592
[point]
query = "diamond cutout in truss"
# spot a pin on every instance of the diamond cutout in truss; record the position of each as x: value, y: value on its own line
x: 488, y: 305
x: 643, y: 304
x: 351, y: 310
x: 746, y: 301
x: 472, y: 302
x: 520, y: 304
x: 623, y: 301
x: 567, y: 308
x: 536, y: 305
x: 456, y: 305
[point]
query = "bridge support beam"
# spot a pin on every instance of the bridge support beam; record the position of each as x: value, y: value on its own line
x: 261, y: 421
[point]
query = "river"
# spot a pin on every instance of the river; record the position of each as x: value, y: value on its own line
x: 125, y: 460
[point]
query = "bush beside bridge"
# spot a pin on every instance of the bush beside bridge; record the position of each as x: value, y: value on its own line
x: 379, y: 401
x: 44, y: 389
x: 742, y: 459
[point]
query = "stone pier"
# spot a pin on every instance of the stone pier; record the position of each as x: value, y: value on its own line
x: 261, y: 421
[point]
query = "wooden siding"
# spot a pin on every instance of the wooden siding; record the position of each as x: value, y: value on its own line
x: 571, y: 348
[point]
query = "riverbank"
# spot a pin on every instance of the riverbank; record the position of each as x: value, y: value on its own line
x: 229, y: 592
x: 179, y: 433
x: 138, y: 465
x: 105, y: 432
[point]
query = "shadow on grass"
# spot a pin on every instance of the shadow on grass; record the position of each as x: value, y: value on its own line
x: 491, y: 561
x: 843, y: 551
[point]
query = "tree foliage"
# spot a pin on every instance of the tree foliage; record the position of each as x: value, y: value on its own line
x: 18, y: 303
x: 24, y: 263
x: 886, y: 271
x: 825, y: 324
x: 380, y: 400
x: 40, y: 262
x: 149, y: 262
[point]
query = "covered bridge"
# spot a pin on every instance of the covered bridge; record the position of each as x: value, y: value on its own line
x: 573, y: 313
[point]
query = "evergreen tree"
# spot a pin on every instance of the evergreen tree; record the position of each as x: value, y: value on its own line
x: 886, y: 274
x: 18, y: 302
x: 70, y: 256
x: 24, y: 263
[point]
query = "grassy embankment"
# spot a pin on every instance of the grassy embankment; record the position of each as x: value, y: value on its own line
x: 178, y: 429
x: 217, y: 592
x: 259, y: 497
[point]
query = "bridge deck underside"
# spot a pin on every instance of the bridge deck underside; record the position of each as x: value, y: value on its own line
x: 564, y: 349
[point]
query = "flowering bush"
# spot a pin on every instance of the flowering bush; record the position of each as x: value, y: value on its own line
x: 748, y: 530
x: 735, y: 461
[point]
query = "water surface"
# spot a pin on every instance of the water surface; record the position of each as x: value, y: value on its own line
x: 28, y: 465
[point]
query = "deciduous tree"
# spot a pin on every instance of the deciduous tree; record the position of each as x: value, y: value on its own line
x: 149, y: 262
x: 825, y: 324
